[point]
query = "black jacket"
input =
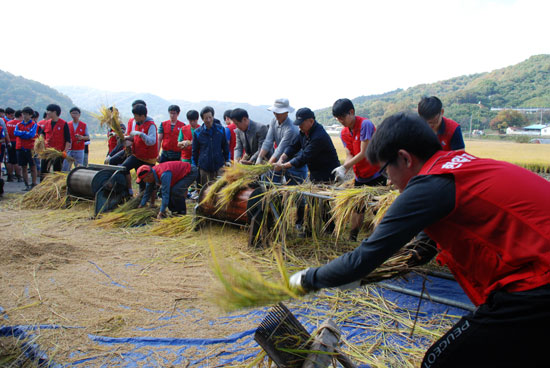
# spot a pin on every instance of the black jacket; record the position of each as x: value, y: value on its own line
x: 316, y: 151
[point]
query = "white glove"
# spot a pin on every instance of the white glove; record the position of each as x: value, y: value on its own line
x: 136, y: 132
x: 339, y: 173
x: 295, y: 280
x: 228, y: 164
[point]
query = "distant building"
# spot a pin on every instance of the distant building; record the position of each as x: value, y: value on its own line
x: 535, y: 129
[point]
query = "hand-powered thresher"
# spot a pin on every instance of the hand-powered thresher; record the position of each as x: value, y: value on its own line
x: 103, y: 184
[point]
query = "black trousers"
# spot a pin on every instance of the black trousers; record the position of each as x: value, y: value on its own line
x: 509, y: 330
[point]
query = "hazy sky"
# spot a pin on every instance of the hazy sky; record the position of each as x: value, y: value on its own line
x: 312, y: 52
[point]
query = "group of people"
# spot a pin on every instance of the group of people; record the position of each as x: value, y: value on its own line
x: 19, y: 130
x: 488, y: 220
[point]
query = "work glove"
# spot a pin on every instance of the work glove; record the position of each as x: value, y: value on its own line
x: 296, y: 280
x: 228, y: 164
x: 339, y: 173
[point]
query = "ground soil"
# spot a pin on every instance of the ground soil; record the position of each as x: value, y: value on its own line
x: 56, y: 268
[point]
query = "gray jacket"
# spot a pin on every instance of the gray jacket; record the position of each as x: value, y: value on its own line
x: 255, y: 134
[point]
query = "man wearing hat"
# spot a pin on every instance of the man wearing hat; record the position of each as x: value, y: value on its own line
x: 312, y: 147
x: 174, y: 177
x: 282, y: 133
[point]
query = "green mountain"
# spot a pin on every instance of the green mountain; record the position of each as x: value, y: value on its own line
x: 18, y: 92
x: 467, y: 97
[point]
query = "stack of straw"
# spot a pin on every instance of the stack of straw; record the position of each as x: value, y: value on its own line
x: 50, y: 193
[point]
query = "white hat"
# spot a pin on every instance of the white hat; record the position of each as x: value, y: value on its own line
x: 281, y: 106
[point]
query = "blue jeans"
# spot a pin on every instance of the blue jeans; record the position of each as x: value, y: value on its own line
x: 294, y: 176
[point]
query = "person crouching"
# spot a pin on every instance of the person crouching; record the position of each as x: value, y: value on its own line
x: 174, y: 177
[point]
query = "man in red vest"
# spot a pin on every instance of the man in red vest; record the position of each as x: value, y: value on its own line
x: 79, y: 137
x: 448, y: 131
x: 169, y: 132
x: 25, y: 133
x: 130, y: 125
x: 356, y: 135
x: 57, y: 135
x: 144, y: 142
x: 14, y: 171
x: 174, y: 177
x: 491, y: 223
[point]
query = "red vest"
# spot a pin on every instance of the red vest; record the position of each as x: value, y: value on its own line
x: 170, y: 136
x: 10, y: 126
x: 77, y: 145
x: 55, y: 137
x: 362, y: 169
x: 498, y: 235
x: 186, y: 153
x: 130, y: 126
x: 112, y: 142
x: 233, y: 141
x: 139, y: 148
x: 24, y: 143
x: 445, y: 138
x: 41, y: 125
x: 179, y: 170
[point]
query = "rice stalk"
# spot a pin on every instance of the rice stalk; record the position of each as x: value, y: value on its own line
x: 233, y: 180
x: 349, y: 201
x: 53, y: 154
x: 174, y: 226
x: 130, y: 218
x: 111, y: 119
x: 384, y: 203
x: 39, y: 145
x: 245, y: 287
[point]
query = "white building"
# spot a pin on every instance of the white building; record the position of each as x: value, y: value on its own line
x: 535, y: 130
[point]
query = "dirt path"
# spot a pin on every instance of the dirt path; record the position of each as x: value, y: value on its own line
x: 58, y: 269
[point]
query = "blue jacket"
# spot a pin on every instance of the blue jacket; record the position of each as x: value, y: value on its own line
x: 210, y: 148
x: 315, y: 150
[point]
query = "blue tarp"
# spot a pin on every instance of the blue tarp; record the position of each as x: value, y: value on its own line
x: 241, y: 347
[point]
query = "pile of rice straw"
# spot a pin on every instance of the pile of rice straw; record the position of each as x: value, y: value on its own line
x: 174, y: 226
x: 51, y: 193
x: 127, y: 215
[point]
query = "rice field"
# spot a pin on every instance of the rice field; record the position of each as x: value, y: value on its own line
x: 535, y: 157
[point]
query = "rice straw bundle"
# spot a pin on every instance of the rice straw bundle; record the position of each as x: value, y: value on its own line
x: 53, y: 154
x: 245, y: 287
x: 384, y: 203
x: 130, y: 218
x: 174, y: 226
x: 39, y: 145
x: 239, y: 171
x: 234, y: 179
x: 50, y: 193
x: 352, y: 200
x: 131, y: 204
x: 111, y: 119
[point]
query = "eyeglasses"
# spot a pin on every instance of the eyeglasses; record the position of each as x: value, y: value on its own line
x: 382, y: 170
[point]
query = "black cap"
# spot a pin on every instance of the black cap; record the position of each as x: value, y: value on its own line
x: 303, y: 114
